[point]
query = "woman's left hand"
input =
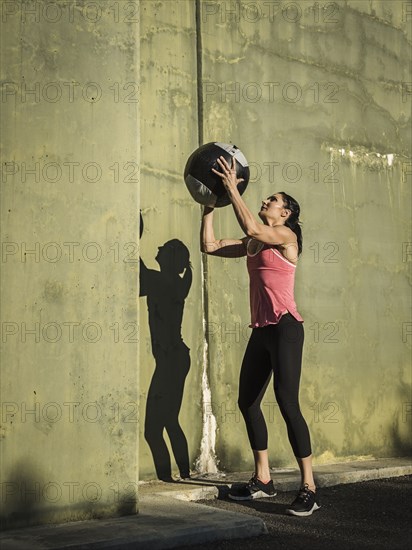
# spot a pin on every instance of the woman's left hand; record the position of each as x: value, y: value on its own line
x: 228, y: 175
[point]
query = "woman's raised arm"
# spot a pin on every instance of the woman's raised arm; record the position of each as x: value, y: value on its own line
x: 228, y: 248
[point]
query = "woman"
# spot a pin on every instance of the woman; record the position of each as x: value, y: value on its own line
x: 276, y: 343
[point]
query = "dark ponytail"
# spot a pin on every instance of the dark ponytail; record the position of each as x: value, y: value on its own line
x: 293, y: 221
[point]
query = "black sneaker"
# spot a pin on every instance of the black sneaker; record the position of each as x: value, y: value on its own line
x: 253, y: 489
x: 305, y: 503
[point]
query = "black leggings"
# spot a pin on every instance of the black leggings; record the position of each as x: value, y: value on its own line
x: 276, y: 348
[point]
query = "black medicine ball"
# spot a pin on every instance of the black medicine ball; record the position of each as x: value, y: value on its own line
x: 205, y: 186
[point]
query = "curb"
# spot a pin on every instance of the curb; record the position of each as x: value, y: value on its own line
x: 288, y: 479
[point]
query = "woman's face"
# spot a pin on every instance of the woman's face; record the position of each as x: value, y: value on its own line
x: 273, y: 209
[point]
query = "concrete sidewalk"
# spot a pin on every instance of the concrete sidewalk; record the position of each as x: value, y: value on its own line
x: 285, y: 479
x: 169, y: 517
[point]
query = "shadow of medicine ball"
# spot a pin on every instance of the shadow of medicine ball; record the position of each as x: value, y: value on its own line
x: 204, y: 185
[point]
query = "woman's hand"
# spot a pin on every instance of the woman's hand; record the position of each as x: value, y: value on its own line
x: 228, y: 175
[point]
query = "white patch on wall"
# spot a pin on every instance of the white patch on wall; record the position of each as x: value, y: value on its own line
x: 362, y: 156
x: 206, y: 463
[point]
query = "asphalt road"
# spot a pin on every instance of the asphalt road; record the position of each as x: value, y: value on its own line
x: 365, y: 515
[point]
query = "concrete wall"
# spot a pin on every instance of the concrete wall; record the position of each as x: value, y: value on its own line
x: 318, y: 98
x: 317, y: 101
x: 317, y: 95
x: 69, y: 272
x: 169, y: 133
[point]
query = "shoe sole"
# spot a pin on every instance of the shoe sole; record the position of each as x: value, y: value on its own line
x: 308, y: 513
x: 258, y: 494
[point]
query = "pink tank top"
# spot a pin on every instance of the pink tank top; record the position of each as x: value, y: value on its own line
x: 272, y: 279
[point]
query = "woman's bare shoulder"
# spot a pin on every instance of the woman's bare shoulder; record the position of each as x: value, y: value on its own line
x: 290, y: 251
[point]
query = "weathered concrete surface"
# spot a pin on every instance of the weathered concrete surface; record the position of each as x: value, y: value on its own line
x: 69, y: 274
x: 320, y: 103
x: 169, y: 133
x: 317, y: 97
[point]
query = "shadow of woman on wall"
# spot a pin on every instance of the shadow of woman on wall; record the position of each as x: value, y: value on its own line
x: 166, y: 291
